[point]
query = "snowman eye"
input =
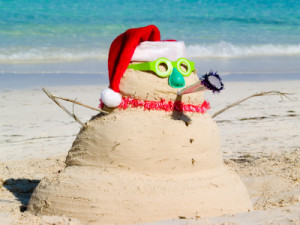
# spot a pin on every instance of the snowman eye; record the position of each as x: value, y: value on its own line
x: 184, y: 67
x: 163, y: 67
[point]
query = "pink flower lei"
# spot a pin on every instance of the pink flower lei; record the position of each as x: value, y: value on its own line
x: 161, y: 105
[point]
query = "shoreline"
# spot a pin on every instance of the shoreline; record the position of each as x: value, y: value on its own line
x: 23, y: 81
x: 93, y: 71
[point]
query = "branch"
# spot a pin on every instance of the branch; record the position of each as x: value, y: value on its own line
x: 281, y: 94
x: 79, y: 103
x: 63, y: 108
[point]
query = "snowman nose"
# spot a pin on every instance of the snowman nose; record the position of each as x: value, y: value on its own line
x: 176, y: 80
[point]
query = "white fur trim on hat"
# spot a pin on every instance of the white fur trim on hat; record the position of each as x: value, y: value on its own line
x: 111, y: 98
x: 152, y: 50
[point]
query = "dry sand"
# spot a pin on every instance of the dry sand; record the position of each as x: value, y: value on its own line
x: 123, y: 164
x: 260, y: 140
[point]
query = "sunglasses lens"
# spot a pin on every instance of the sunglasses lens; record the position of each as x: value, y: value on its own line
x: 184, y: 67
x: 163, y: 67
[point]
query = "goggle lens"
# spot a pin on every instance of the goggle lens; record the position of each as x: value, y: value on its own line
x: 163, y: 67
x: 184, y: 67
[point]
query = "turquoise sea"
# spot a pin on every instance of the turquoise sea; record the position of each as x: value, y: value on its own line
x: 239, y: 38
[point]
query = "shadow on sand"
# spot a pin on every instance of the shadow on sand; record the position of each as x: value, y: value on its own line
x: 22, y: 189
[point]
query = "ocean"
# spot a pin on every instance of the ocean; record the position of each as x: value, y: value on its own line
x: 234, y: 37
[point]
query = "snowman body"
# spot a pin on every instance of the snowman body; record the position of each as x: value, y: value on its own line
x: 141, y: 165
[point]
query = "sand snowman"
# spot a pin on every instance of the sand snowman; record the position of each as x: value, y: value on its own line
x: 155, y: 156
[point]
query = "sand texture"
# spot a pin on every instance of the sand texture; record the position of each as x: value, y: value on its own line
x: 259, y: 141
x: 126, y: 162
x: 119, y: 180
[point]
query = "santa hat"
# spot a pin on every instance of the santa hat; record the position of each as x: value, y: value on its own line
x: 136, y: 44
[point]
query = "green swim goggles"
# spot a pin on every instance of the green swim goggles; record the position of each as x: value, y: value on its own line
x: 184, y: 66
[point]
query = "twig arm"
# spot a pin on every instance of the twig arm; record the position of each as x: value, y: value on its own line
x: 79, y: 103
x: 251, y: 96
x: 62, y: 107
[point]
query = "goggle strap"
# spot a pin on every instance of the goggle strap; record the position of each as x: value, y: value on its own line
x: 141, y: 66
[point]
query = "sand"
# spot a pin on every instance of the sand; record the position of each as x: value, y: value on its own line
x: 259, y: 141
x: 123, y: 163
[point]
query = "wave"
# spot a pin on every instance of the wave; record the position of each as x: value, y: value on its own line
x: 224, y: 49
x: 49, y: 55
x: 216, y: 50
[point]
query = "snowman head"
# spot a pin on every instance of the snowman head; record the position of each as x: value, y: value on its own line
x: 144, y: 67
x: 165, y: 59
x: 157, y: 71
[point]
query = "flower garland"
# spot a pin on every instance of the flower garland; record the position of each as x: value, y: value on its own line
x: 161, y: 105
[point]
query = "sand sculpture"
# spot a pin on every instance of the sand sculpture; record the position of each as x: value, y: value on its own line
x: 155, y: 156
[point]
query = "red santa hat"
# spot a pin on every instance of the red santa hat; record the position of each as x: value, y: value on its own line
x: 136, y: 44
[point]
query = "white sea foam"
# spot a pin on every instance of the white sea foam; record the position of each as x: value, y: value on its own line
x: 228, y: 50
x: 215, y: 50
x: 44, y: 55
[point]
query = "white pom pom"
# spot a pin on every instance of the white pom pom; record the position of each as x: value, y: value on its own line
x: 111, y: 98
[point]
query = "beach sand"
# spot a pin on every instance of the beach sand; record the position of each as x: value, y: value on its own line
x: 260, y: 141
